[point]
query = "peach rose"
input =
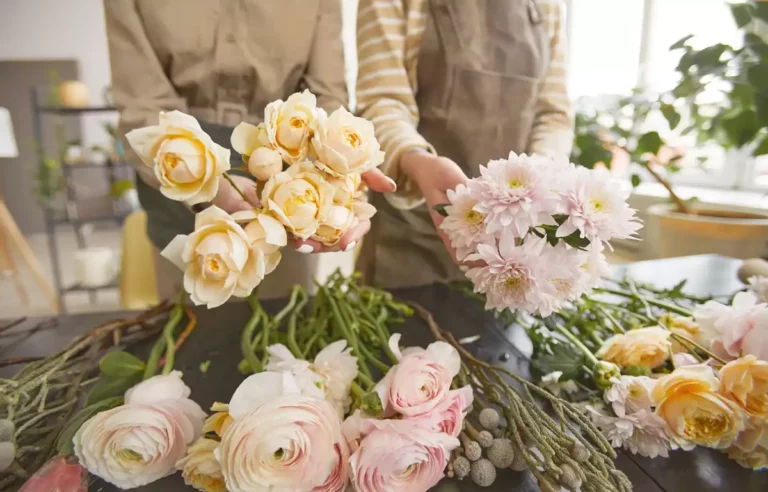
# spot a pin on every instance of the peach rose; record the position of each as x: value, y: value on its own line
x: 695, y: 413
x: 200, y: 469
x: 646, y: 347
x: 345, y: 144
x: 187, y: 163
x: 751, y: 448
x: 252, y: 143
x: 745, y: 381
x: 289, y: 125
x: 685, y: 327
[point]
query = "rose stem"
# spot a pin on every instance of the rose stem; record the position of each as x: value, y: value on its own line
x: 679, y: 337
x: 245, y: 338
x: 237, y: 188
x: 664, y: 305
x: 591, y: 359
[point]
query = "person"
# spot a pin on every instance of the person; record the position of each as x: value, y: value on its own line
x: 449, y: 85
x: 223, y: 62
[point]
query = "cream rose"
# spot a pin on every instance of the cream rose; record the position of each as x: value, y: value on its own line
x: 142, y: 440
x: 187, y: 163
x: 751, y: 448
x: 745, y: 381
x: 685, y: 327
x: 289, y: 125
x: 280, y: 439
x: 693, y: 411
x: 220, y: 260
x: 420, y: 381
x: 200, y: 468
x: 345, y: 144
x: 645, y: 347
x: 253, y: 144
x: 300, y: 198
x: 349, y: 207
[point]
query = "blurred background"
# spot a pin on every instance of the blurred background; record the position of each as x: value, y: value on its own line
x: 688, y: 123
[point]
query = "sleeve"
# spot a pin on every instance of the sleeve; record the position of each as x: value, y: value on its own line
x: 386, y: 85
x: 552, y: 132
x: 140, y: 87
x: 325, y: 74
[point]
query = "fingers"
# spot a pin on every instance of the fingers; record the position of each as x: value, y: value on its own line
x: 307, y: 246
x: 353, y: 236
x: 347, y: 243
x: 378, y: 181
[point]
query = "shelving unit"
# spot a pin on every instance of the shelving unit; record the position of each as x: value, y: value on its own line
x: 70, y: 215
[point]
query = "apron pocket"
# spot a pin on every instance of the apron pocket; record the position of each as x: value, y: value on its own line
x: 490, y: 113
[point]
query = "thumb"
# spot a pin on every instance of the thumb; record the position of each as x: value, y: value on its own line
x: 378, y: 181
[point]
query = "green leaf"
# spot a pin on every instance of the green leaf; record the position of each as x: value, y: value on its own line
x: 64, y: 444
x: 120, y: 364
x: 742, y: 13
x: 574, y: 240
x: 741, y: 128
x: 758, y: 76
x: 635, y: 179
x: 756, y: 44
x: 680, y: 43
x: 671, y: 115
x: 710, y: 56
x: 762, y: 149
x: 762, y: 11
x: 110, y: 387
x: 563, y: 357
x: 440, y: 208
x: 650, y: 142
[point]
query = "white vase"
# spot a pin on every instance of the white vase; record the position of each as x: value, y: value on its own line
x: 733, y: 231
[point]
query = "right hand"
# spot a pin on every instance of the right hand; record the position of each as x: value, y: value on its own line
x: 229, y: 200
x: 434, y: 176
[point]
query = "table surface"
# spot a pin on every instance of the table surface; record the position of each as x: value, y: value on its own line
x: 217, y: 339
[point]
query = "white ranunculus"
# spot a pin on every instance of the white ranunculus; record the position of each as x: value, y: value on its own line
x: 220, y: 260
x: 345, y: 144
x: 300, y: 198
x: 280, y: 439
x: 185, y: 159
x: 289, y: 125
x: 142, y: 440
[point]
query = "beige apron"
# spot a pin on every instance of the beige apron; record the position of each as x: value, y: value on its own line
x: 480, y: 67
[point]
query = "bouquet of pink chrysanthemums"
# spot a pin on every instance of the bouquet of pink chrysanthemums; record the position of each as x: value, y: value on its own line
x: 532, y: 230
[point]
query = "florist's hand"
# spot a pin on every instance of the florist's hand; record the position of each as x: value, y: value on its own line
x: 229, y: 200
x: 434, y: 176
x: 377, y: 181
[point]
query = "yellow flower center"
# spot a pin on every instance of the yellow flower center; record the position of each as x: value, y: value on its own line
x: 473, y: 217
x: 213, y: 265
x: 515, y: 183
x: 705, y: 427
x: 278, y: 455
x: 597, y: 205
x: 172, y: 160
x: 129, y: 455
x: 408, y: 470
x: 353, y: 139
x: 297, y: 123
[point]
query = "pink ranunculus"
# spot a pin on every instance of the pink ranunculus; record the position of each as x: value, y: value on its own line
x: 400, y: 455
x: 738, y: 329
x: 58, y: 475
x: 449, y: 415
x: 420, y: 380
x: 339, y: 478
x: 142, y: 440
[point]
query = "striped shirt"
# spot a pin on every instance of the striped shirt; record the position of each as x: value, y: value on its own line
x: 389, y: 34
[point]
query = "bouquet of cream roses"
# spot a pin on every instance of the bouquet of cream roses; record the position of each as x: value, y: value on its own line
x: 307, y: 166
x: 670, y: 371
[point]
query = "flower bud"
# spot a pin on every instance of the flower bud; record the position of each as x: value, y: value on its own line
x: 501, y: 453
x: 472, y: 450
x: 569, y: 477
x: 483, y: 473
x: 579, y: 452
x: 637, y: 371
x: 603, y: 372
x: 372, y: 405
x: 484, y: 439
x: 489, y: 418
x: 264, y: 163
x: 461, y: 467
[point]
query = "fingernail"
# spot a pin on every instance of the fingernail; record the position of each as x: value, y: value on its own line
x: 350, y: 246
x: 305, y: 248
x: 392, y: 183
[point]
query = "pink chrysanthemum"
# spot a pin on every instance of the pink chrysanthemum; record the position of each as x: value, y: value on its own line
x: 597, y: 208
x: 464, y: 225
x: 514, y: 194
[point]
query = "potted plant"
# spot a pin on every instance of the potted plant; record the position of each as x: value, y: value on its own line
x: 721, y: 98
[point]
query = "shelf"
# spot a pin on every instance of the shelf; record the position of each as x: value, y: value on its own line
x: 80, y: 288
x: 66, y: 110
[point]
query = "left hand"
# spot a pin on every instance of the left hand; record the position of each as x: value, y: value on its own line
x: 377, y: 181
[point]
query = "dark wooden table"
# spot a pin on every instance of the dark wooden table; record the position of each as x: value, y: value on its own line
x: 217, y: 339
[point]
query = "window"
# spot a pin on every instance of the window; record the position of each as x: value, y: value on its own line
x: 618, y: 46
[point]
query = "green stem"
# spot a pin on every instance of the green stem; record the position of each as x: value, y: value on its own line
x: 591, y: 359
x: 292, y: 345
x: 373, y: 360
x: 246, y: 340
x: 234, y: 185
x: 159, y: 347
x: 170, y: 343
x: 690, y: 343
x: 654, y: 302
x: 616, y: 325
x: 347, y: 333
x: 313, y: 339
x: 358, y: 391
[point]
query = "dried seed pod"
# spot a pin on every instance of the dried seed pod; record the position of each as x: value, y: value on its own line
x: 489, y: 418
x: 569, y: 478
x: 483, y: 473
x: 485, y: 439
x: 579, y: 452
x: 518, y: 462
x: 501, y: 453
x: 461, y: 467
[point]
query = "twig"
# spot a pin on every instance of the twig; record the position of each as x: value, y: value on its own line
x: 12, y: 361
x: 13, y: 323
x: 184, y: 334
x: 679, y: 202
